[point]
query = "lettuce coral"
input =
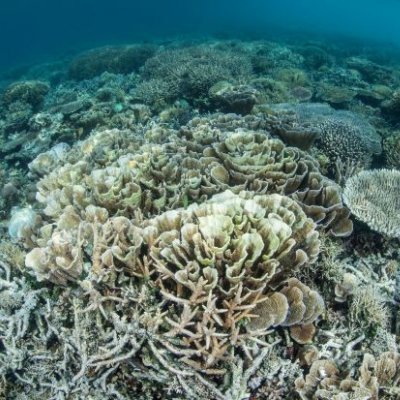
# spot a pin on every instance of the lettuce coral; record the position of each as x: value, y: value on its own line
x: 193, y: 166
x: 218, y: 263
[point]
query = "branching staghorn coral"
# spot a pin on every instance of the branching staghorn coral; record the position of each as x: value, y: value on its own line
x: 216, y: 266
x: 219, y: 263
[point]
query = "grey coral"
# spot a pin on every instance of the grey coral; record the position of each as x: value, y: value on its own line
x: 373, y: 197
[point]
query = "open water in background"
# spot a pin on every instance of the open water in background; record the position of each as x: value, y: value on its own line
x: 35, y: 30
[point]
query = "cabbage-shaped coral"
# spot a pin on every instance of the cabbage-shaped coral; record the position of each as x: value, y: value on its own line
x: 60, y: 257
x: 217, y: 264
x: 263, y: 164
x: 376, y: 377
x: 373, y: 197
x: 192, y: 167
x: 222, y: 268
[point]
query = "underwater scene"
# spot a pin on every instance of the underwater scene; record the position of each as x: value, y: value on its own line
x: 200, y: 200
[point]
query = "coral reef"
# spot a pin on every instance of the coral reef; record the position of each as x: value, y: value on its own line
x: 175, y: 223
x: 191, y: 72
x: 391, y: 148
x: 113, y: 59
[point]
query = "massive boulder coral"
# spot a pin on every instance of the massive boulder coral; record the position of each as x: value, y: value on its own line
x: 373, y: 197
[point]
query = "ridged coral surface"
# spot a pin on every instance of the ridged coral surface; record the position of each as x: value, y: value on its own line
x: 373, y: 196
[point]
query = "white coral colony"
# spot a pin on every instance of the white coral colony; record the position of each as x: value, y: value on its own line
x: 22, y: 223
x: 373, y: 197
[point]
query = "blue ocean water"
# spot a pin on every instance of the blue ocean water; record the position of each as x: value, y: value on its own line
x: 34, y: 30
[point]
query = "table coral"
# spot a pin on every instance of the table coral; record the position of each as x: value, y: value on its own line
x: 372, y: 197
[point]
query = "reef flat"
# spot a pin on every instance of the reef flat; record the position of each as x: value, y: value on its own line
x: 215, y: 219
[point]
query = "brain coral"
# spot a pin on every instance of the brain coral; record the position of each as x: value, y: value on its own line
x: 221, y: 264
x: 373, y: 197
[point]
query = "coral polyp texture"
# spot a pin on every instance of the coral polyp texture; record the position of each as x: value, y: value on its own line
x: 187, y: 220
x: 373, y: 197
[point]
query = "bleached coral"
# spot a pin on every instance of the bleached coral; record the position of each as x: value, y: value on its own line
x: 23, y: 223
x: 219, y: 262
x: 372, y: 197
x: 376, y: 377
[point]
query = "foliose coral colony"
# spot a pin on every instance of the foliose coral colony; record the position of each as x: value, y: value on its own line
x: 205, y: 220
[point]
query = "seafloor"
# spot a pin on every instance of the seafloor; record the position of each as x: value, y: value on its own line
x: 215, y: 219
